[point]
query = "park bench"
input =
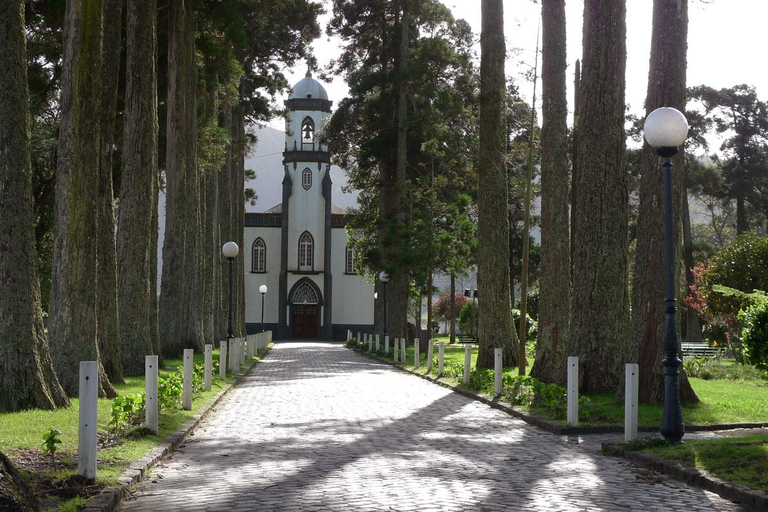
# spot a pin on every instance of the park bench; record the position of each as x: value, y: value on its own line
x: 701, y: 349
x: 466, y: 338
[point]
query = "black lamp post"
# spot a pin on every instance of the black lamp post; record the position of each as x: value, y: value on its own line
x: 665, y: 130
x: 263, y: 291
x: 384, y: 278
x: 230, y: 251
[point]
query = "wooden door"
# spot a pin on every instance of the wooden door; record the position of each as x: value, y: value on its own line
x: 304, y: 320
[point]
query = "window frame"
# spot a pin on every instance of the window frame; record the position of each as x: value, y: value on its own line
x: 349, y: 261
x: 306, y: 240
x: 306, y: 183
x: 255, y: 260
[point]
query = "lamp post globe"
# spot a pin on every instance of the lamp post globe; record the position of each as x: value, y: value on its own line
x: 230, y: 251
x: 263, y: 292
x: 665, y: 130
x: 384, y: 278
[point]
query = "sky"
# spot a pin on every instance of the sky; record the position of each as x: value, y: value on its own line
x: 727, y: 42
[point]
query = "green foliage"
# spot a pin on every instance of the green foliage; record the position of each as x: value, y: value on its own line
x: 169, y: 390
x: 468, y: 318
x: 351, y: 343
x: 532, y: 331
x: 481, y: 379
x: 127, y: 411
x: 443, y: 305
x: 50, y: 441
x: 755, y: 334
x: 714, y: 368
x: 527, y: 390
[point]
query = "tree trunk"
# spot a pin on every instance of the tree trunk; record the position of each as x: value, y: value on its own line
x: 600, y: 297
x: 238, y: 210
x: 554, y: 280
x: 109, y: 324
x: 73, y: 323
x: 574, y: 153
x: 693, y: 324
x: 496, y: 329
x: 180, y: 314
x: 15, y: 494
x: 27, y: 378
x: 135, y: 230
x: 666, y: 87
x: 225, y: 229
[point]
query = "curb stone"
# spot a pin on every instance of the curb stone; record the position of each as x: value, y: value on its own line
x: 754, y: 500
x: 110, y: 498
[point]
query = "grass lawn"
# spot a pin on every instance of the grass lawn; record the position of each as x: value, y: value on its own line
x: 21, y: 433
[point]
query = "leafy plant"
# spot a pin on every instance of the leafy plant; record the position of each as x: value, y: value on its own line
x: 50, y: 440
x: 127, y: 410
x: 532, y: 330
x: 169, y: 390
x: 468, y: 318
x: 755, y: 334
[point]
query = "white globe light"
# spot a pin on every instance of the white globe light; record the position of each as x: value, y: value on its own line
x: 665, y: 127
x: 230, y: 250
x: 383, y: 277
x: 375, y: 295
x: 263, y: 289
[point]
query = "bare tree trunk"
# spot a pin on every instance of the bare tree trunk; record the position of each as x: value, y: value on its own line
x: 180, y: 298
x: 225, y: 229
x: 109, y: 320
x: 554, y: 281
x: 238, y: 210
x: 600, y: 296
x: 27, y: 378
x: 574, y: 153
x: 496, y: 329
x: 693, y: 325
x: 73, y: 324
x: 135, y: 230
x: 666, y: 87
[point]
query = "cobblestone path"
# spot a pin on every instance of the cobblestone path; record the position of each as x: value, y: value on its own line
x: 318, y: 427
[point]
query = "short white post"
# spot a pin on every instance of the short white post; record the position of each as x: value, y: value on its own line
x: 370, y: 341
x: 208, y: 367
x: 631, y: 389
x: 231, y: 353
x: 257, y: 342
x: 222, y: 359
x: 349, y: 334
x: 497, y: 370
x: 377, y: 343
x: 269, y: 337
x: 249, y: 346
x: 467, y: 362
x: 242, y: 351
x: 440, y: 358
x: 573, y: 392
x: 430, y: 351
x: 403, y: 352
x: 189, y: 363
x: 150, y: 392
x: 396, y: 352
x: 89, y: 405
x: 416, y: 358
x: 386, y: 344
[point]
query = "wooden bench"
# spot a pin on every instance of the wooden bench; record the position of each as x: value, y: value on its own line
x: 466, y: 338
x: 700, y: 349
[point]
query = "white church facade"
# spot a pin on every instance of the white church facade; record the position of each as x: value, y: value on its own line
x: 298, y: 248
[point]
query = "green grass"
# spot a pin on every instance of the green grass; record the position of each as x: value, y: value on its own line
x: 24, y: 430
x: 741, y: 460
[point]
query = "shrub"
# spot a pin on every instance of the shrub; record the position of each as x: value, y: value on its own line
x: 709, y: 368
x: 127, y: 410
x: 443, y: 305
x: 532, y: 326
x: 755, y: 334
x: 468, y: 318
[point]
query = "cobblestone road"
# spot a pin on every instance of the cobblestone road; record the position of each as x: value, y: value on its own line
x: 317, y: 427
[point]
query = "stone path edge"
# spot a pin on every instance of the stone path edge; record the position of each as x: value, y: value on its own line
x: 110, y: 498
x: 756, y: 500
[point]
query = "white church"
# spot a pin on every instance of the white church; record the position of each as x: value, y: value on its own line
x: 298, y: 248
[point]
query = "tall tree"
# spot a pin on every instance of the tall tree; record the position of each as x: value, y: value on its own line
x: 73, y: 321
x: 554, y: 279
x: 496, y: 329
x: 666, y: 87
x: 600, y: 296
x: 138, y: 180
x: 27, y: 378
x: 181, y: 312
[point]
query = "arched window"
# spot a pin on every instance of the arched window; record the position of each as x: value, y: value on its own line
x: 307, y: 131
x: 306, y: 179
x: 305, y: 294
x: 306, y: 251
x: 259, y: 260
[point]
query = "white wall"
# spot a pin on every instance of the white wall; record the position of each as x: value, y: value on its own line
x: 352, y: 294
x: 271, y: 278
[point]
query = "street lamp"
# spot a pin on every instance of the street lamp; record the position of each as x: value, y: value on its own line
x: 665, y: 130
x: 384, y: 278
x: 230, y: 251
x: 263, y: 291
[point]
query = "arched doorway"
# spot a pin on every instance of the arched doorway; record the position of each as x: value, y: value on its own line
x: 305, y: 301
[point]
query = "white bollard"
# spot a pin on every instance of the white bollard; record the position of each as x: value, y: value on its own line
x: 150, y: 392
x: 359, y: 339
x: 416, y: 358
x: 222, y: 359
x: 208, y: 367
x: 369, y: 338
x: 631, y: 389
x: 269, y: 338
x: 440, y: 358
x: 189, y: 363
x: 403, y: 352
x: 231, y: 354
x: 430, y: 351
x: 242, y: 351
x: 89, y: 406
x: 249, y: 346
x: 377, y: 343
x: 467, y: 362
x: 386, y: 345
x: 349, y: 334
x: 573, y: 392
x: 497, y: 370
x: 396, y: 352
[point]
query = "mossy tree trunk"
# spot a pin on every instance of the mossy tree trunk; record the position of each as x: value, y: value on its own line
x: 496, y: 328
x: 138, y: 179
x: 74, y: 321
x: 27, y: 377
x: 554, y: 281
x: 600, y: 296
x: 181, y: 312
x: 666, y: 88
x: 238, y: 222
x: 225, y: 230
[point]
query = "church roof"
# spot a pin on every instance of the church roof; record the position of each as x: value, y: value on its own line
x: 308, y: 87
x: 278, y: 208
